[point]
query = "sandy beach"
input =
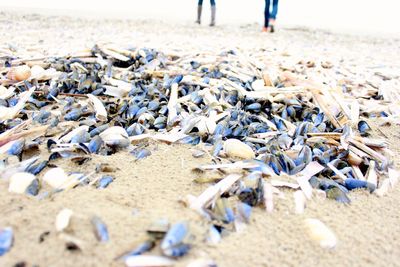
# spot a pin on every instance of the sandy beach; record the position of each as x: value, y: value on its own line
x: 368, y: 230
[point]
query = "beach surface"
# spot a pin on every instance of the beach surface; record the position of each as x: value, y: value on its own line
x: 368, y: 230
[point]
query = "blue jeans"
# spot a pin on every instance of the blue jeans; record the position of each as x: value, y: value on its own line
x: 270, y: 15
x: 212, y: 2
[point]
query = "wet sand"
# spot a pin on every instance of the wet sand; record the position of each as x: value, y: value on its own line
x: 143, y: 191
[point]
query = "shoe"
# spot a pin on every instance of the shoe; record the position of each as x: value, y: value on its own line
x: 265, y: 29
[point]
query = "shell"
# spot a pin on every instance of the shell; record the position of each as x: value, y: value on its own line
x: 37, y: 71
x: 238, y: 149
x: 6, y: 240
x: 299, y: 201
x: 63, y: 219
x: 354, y: 159
x: 320, y: 233
x: 206, y: 126
x: 6, y: 93
x: 258, y: 85
x: 100, y: 229
x: 56, y: 178
x: 147, y: 261
x: 101, y: 112
x: 202, y: 263
x: 267, y: 79
x: 115, y: 135
x: 174, y: 236
x: 20, y: 73
x: 20, y: 182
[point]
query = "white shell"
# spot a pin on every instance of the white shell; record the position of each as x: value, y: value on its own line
x: 66, y: 138
x: 202, y: 263
x: 238, y: 149
x: 148, y: 260
x: 372, y: 176
x: 206, y: 126
x: 258, y: 85
x: 299, y: 201
x: 101, y: 112
x: 320, y: 233
x: 114, y: 134
x: 6, y: 93
x: 20, y: 181
x: 56, y: 178
x: 37, y: 71
x: 63, y: 219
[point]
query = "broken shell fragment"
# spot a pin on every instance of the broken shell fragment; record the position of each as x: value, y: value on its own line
x: 299, y: 201
x: 63, y: 219
x: 55, y: 177
x: 20, y: 182
x: 320, y: 233
x: 115, y: 136
x: 20, y: 73
x: 6, y: 240
x: 148, y: 261
x: 237, y: 149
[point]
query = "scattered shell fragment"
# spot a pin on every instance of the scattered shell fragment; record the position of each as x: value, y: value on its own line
x: 299, y: 201
x: 19, y: 73
x: 56, y: 178
x: 6, y: 240
x: 202, y: 263
x: 148, y: 261
x: 101, y: 112
x: 100, y: 229
x: 20, y: 182
x: 320, y: 233
x: 236, y: 148
x: 63, y: 219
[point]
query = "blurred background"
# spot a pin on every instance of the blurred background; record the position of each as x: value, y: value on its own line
x: 377, y: 17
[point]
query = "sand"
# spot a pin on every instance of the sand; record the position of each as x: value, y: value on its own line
x: 143, y: 191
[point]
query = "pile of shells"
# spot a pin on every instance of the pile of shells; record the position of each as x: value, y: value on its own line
x: 266, y: 129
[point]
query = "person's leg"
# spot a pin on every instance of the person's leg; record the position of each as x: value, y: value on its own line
x: 213, y: 12
x: 199, y: 10
x: 273, y: 14
x: 266, y: 13
x: 274, y: 9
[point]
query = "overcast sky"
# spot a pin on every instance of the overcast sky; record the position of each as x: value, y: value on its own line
x: 362, y: 16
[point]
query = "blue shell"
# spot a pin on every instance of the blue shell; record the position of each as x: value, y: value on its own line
x: 73, y: 115
x: 95, y: 144
x: 105, y: 181
x: 6, y: 240
x: 16, y: 148
x: 37, y: 168
x: 100, y: 229
x: 355, y: 184
x: 174, y: 236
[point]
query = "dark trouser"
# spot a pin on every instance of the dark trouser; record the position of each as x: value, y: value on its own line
x: 212, y: 2
x: 270, y: 15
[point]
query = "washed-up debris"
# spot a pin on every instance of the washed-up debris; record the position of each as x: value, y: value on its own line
x: 266, y: 130
x: 100, y: 229
x: 6, y: 240
x: 320, y: 233
x: 148, y: 261
x: 63, y: 219
x: 202, y: 263
x: 23, y: 182
x: 173, y: 243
